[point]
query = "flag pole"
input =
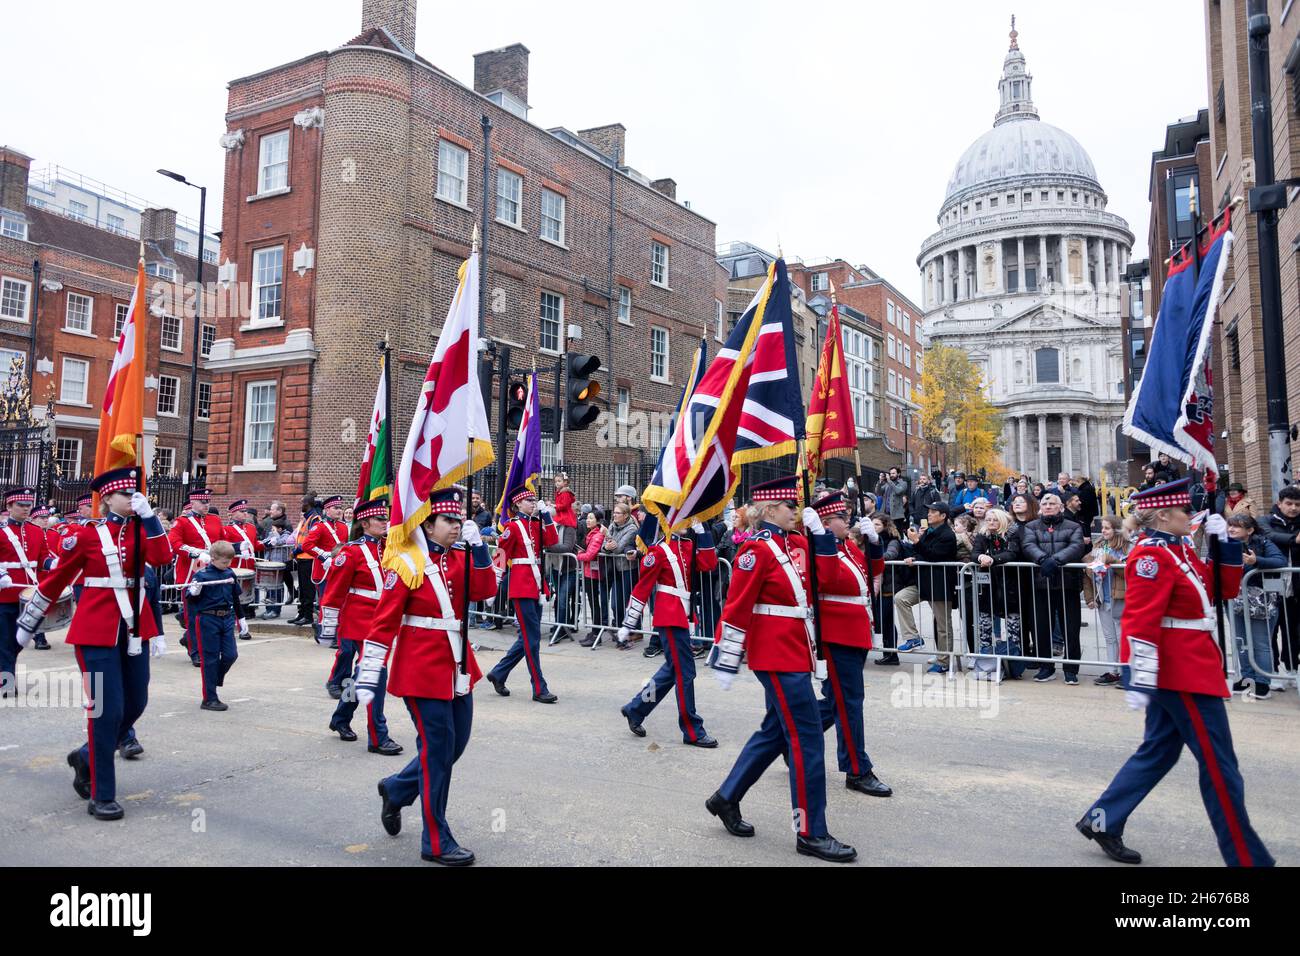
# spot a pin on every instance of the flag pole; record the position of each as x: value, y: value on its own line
x: 388, y: 413
x: 1216, y: 559
x: 137, y: 521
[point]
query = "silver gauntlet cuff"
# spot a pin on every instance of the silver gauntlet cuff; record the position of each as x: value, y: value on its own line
x: 372, y: 663
x: 33, y: 612
x: 1143, y: 663
x: 632, y: 619
x: 731, y: 649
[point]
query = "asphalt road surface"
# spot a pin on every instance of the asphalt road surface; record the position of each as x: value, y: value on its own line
x: 977, y: 780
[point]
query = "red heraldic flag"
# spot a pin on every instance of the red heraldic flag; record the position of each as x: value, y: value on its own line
x: 832, y: 432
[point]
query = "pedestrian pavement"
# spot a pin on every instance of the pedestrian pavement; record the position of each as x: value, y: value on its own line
x: 982, y: 774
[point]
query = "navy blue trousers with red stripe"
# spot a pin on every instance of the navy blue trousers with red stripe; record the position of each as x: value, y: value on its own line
x: 217, y: 651
x: 1199, y: 721
x: 376, y: 724
x: 792, y: 724
x: 344, y: 659
x: 442, y: 732
x: 528, y: 646
x: 677, y: 671
x: 118, y: 686
x: 841, y: 704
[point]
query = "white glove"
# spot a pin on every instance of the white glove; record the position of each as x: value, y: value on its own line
x: 1217, y: 525
x: 697, y: 527
x: 365, y: 695
x: 24, y: 636
x: 543, y: 507
x: 243, y: 625
x: 724, y: 678
x: 867, y: 528
x: 470, y: 533
x: 5, y: 580
x: 245, y: 550
x: 623, y: 635
x: 140, y: 505
x: 203, y: 559
x: 157, y: 646
x: 1136, y: 699
x: 196, y: 589
x: 812, y: 521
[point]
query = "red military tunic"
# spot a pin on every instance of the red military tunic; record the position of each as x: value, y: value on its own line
x: 672, y: 606
x: 81, y: 553
x: 523, y: 582
x: 354, y: 586
x: 421, y: 663
x: 189, y: 535
x: 772, y: 642
x: 24, y: 569
x: 845, y: 597
x: 324, y: 537
x: 53, y: 537
x: 239, y: 534
x: 1158, y: 592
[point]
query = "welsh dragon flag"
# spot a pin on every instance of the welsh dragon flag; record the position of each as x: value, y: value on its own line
x: 449, y: 437
x: 377, y: 469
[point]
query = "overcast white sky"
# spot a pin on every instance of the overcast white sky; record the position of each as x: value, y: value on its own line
x: 831, y: 125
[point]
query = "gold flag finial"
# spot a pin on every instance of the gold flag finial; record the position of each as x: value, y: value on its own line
x: 473, y: 240
x: 832, y: 285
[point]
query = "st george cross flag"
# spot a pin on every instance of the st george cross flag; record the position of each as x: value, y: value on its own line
x: 526, y: 464
x: 746, y: 408
x: 377, y: 467
x: 121, y: 419
x: 650, y: 524
x: 449, y: 437
x: 832, y: 433
x: 1172, y: 409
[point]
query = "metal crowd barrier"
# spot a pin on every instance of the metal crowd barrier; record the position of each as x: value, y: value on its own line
x: 1265, y: 625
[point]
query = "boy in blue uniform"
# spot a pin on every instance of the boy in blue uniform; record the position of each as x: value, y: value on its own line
x: 214, y: 608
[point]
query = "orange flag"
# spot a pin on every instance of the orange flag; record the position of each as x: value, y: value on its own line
x: 121, y: 419
x: 831, y: 429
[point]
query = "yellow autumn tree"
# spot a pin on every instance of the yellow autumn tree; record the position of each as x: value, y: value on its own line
x: 955, y: 410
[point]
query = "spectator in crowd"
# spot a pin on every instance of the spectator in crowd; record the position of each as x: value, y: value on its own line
x: 564, y: 499
x: 1283, y: 528
x: 1074, y: 512
x: 1149, y: 479
x: 589, y: 559
x: 892, y: 490
x: 1254, y: 611
x: 967, y: 495
x: 1022, y: 487
x: 618, y: 555
x: 1090, y: 507
x: 1103, y: 590
x: 997, y: 590
x: 276, y: 532
x: 934, y: 585
x: 1238, y: 502
x: 1009, y: 487
x: 1165, y: 469
x: 1039, y: 490
x: 564, y: 574
x: 894, y: 578
x: 1051, y: 542
x: 746, y: 520
x: 482, y: 516
x: 924, y: 496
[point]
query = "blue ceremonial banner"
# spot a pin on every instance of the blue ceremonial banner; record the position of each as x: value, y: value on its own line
x: 1172, y: 409
x: 526, y: 463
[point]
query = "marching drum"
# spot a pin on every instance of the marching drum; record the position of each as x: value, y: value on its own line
x: 58, y: 616
x: 270, y: 573
x: 245, y: 580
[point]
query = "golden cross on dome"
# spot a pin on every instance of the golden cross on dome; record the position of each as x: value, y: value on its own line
x: 1013, y: 33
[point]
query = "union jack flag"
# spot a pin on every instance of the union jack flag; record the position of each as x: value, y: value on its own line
x: 746, y: 408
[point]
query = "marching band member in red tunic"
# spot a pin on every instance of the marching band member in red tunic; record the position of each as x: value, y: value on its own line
x: 40, y: 517
x: 327, y: 535
x: 768, y: 618
x: 24, y: 557
x: 418, y: 629
x: 1175, y: 673
x: 113, y: 665
x: 347, y: 611
x: 845, y: 601
x: 242, y: 533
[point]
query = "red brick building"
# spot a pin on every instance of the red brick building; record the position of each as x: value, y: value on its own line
x: 65, y: 286
x: 353, y: 183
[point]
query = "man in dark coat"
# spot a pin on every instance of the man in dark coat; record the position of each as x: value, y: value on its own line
x: 1050, y: 542
x: 1089, y: 508
x: 934, y: 585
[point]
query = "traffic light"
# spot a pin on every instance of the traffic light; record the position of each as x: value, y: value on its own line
x: 518, y: 395
x: 581, y: 391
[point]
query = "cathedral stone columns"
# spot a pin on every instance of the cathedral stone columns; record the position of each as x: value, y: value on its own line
x: 1020, y: 263
x: 1067, y: 449
x: 1042, y: 447
x: 1086, y: 445
x: 1022, y: 462
x: 1063, y: 254
x: 1042, y: 260
x: 962, y: 291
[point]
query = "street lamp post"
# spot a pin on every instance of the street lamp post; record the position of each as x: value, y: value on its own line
x: 198, y: 326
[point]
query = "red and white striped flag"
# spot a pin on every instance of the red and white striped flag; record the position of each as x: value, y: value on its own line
x: 449, y: 437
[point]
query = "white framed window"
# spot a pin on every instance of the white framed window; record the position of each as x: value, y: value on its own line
x: 659, y: 263
x: 907, y: 355
x: 13, y: 228
x: 209, y: 336
x: 160, y: 270
x: 717, y: 316
x: 821, y: 281
x: 115, y: 224
x: 268, y: 285
x: 79, y: 210
x: 907, y: 324
x: 893, y: 382
x: 74, y: 382
x: 889, y: 312
x: 273, y: 162
x: 67, y: 455
x: 171, y: 332
x: 552, y: 321
x: 907, y: 389
x: 164, y: 461
x: 14, y: 296
x: 203, y: 411
x: 7, y: 357
x: 624, y: 404
x: 625, y: 305
x: 259, y: 423
x: 550, y: 456
x: 169, y: 395
x: 79, y: 313
x: 453, y: 172
x: 182, y: 247
x: 553, y: 216
x: 120, y: 312
x: 893, y: 416
x: 510, y: 195
x: 893, y: 347
x: 658, y: 353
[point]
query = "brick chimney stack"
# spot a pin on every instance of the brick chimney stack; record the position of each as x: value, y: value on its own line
x: 395, y: 16
x: 14, y: 169
x: 503, y: 69
x: 158, y: 227
x: 610, y: 140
